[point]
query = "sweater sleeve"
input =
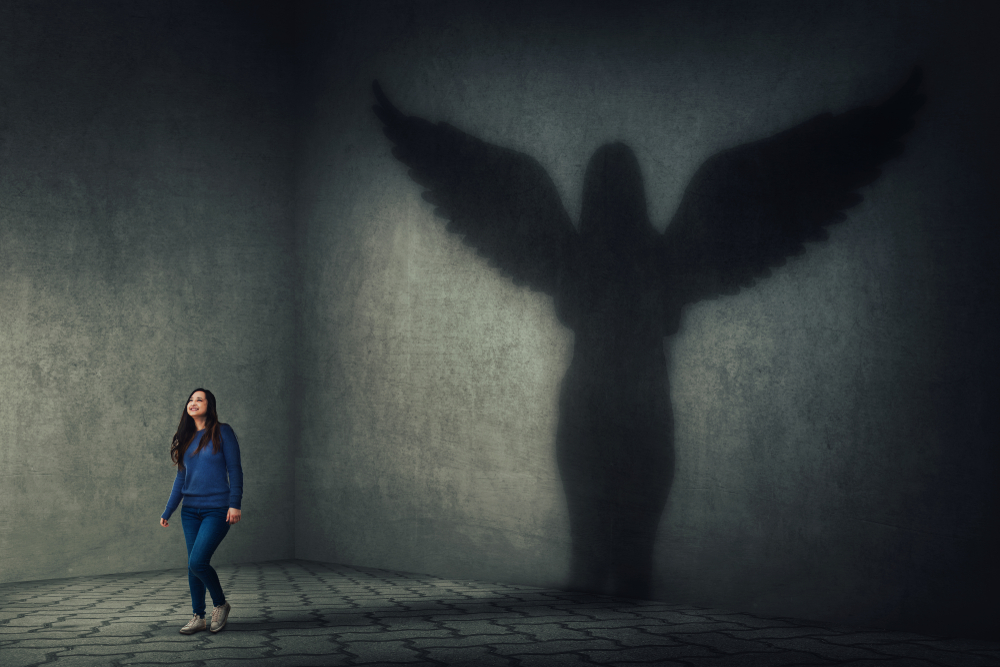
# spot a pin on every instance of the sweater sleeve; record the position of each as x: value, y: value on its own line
x: 231, y: 449
x: 175, y: 495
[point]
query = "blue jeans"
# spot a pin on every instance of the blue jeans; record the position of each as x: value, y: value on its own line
x: 204, y: 529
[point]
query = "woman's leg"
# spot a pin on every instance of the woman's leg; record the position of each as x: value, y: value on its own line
x: 208, y: 536
x: 191, y: 521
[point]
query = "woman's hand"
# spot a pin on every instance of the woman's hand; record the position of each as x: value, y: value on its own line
x: 233, y: 516
x: 163, y: 522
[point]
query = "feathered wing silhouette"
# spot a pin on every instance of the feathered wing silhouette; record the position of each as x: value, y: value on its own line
x: 502, y: 201
x: 749, y: 208
x: 745, y: 211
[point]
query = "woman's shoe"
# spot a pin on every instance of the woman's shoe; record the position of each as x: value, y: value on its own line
x: 194, y: 625
x: 219, y: 616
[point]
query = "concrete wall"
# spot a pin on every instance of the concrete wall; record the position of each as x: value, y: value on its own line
x: 834, y: 454
x: 145, y: 250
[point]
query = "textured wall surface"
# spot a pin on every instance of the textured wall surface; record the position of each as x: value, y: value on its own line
x: 145, y: 250
x: 834, y: 457
x: 835, y: 452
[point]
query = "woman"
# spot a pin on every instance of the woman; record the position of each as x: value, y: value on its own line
x: 211, y: 503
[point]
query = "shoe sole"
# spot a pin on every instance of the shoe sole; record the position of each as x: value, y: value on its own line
x: 190, y: 632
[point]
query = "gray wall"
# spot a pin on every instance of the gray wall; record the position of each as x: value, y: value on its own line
x: 145, y: 250
x: 834, y: 457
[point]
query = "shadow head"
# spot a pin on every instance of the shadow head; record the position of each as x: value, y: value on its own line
x: 614, y: 197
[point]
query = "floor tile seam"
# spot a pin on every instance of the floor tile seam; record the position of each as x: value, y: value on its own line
x: 721, y: 652
x: 927, y: 659
x: 586, y: 631
x: 50, y: 658
x: 529, y: 640
x: 699, y: 618
x: 990, y: 652
x: 591, y: 617
x: 756, y: 639
x: 679, y: 627
x: 614, y: 641
x: 423, y: 652
x: 887, y: 655
x: 492, y: 650
x: 517, y: 662
x: 813, y: 653
x: 565, y: 627
x: 596, y: 606
x: 577, y: 652
x: 103, y: 624
x: 440, y: 625
x: 898, y: 642
x: 336, y: 638
x: 922, y: 662
x: 655, y: 661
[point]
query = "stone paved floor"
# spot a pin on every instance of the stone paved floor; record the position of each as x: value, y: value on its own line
x: 298, y: 613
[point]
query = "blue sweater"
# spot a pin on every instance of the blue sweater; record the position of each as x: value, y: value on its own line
x: 203, y: 481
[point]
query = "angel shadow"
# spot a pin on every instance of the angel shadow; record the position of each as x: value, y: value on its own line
x: 621, y: 287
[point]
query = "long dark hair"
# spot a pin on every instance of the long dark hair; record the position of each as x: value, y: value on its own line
x: 187, y: 429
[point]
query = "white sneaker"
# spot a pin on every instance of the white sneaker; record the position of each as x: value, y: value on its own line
x: 219, y: 616
x: 194, y: 625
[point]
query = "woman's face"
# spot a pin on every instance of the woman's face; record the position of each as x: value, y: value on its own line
x: 198, y: 405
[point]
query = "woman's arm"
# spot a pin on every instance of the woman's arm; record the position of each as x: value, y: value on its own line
x: 175, y: 498
x: 231, y: 450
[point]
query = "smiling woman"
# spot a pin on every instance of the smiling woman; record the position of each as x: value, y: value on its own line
x: 209, y: 481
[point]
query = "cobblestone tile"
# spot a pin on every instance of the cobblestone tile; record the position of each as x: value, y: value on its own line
x: 551, y: 616
x: 109, y: 649
x: 777, y: 659
x: 547, y: 631
x: 694, y: 627
x: 826, y: 649
x: 782, y: 633
x: 396, y: 635
x: 620, y: 623
x: 380, y: 652
x: 41, y: 633
x: 403, y: 623
x: 972, y: 645
x: 647, y: 654
x: 299, y: 613
x: 475, y: 627
x: 31, y: 621
x: 90, y: 661
x: 558, y: 646
x: 535, y: 608
x: 305, y: 645
x: 236, y: 640
x: 554, y: 660
x: 938, y: 656
x: 124, y: 629
x: 464, y: 642
x: 747, y: 620
x: 895, y: 662
x: 282, y: 661
x: 723, y: 643
x: 626, y: 636
x: 63, y: 644
x: 21, y: 657
x: 477, y: 656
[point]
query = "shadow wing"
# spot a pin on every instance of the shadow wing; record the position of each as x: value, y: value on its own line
x: 749, y: 208
x: 503, y: 202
